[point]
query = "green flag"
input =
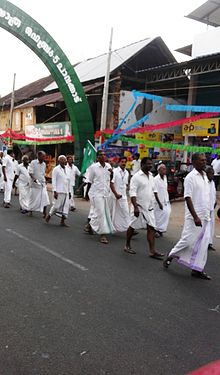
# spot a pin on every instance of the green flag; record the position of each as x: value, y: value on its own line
x: 89, y: 156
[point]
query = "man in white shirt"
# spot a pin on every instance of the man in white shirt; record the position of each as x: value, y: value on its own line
x: 162, y: 207
x: 216, y: 166
x: 61, y: 191
x: 142, y: 210
x: 73, y: 171
x: 120, y: 209
x: 1, y: 173
x: 39, y: 199
x: 8, y: 175
x: 98, y: 190
x: 135, y: 164
x: 213, y: 203
x: 191, y: 250
x: 24, y: 180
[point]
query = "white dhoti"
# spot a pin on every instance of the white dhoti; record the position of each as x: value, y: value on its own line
x: 7, y: 190
x: 192, y: 248
x: 72, y: 201
x: 38, y: 198
x: 2, y: 184
x: 24, y: 196
x: 101, y: 222
x: 212, y: 227
x: 145, y: 218
x: 162, y: 216
x: 120, y: 214
x: 60, y: 205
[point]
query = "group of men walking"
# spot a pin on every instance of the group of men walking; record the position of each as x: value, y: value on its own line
x: 111, y: 211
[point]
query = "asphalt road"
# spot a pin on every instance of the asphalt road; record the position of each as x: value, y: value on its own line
x: 72, y: 306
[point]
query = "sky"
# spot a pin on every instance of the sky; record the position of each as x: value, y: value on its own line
x: 82, y: 30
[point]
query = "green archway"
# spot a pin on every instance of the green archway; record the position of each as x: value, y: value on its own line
x: 31, y: 33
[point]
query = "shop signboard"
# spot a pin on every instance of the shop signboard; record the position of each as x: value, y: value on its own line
x: 49, y: 130
x: 148, y: 136
x: 202, y: 128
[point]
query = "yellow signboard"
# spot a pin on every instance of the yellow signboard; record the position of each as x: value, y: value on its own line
x: 202, y: 128
x: 148, y: 136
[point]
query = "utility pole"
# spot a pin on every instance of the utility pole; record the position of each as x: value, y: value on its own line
x: 11, y: 110
x: 105, y: 89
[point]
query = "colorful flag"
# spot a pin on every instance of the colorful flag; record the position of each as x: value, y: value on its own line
x: 89, y: 156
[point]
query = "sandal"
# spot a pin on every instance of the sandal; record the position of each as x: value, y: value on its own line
x: 129, y: 250
x: 167, y: 261
x: 104, y: 240
x: 156, y: 255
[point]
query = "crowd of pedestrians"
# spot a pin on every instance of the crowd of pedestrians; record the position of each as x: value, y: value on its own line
x: 120, y: 201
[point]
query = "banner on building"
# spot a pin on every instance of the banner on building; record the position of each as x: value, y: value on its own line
x: 148, y: 136
x: 202, y: 128
x: 49, y: 130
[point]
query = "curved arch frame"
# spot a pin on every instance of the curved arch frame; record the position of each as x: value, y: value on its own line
x: 33, y: 35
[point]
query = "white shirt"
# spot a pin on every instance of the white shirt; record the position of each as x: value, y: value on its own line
x: 23, y: 175
x: 161, y: 188
x: 196, y: 187
x: 7, y: 162
x: 142, y: 187
x: 15, y: 166
x: 73, y: 171
x: 61, y: 180
x: 38, y: 170
x: 99, y: 177
x: 120, y: 180
x: 136, y: 166
x: 216, y: 166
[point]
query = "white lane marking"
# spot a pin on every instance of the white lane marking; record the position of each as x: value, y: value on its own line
x: 47, y: 250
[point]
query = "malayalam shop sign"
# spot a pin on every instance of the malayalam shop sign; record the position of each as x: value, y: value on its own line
x: 50, y: 130
x: 202, y: 128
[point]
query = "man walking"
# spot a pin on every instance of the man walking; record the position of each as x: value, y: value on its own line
x: 24, y: 180
x: 61, y: 191
x: 98, y: 190
x: 162, y: 207
x: 213, y: 203
x: 39, y: 199
x: 216, y: 166
x: 120, y: 209
x: 73, y: 171
x: 142, y: 214
x: 8, y: 175
x: 192, y: 248
x: 135, y: 164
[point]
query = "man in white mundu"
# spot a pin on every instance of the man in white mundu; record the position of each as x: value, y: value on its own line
x: 192, y: 248
x: 162, y: 207
x: 1, y: 174
x: 73, y: 171
x: 24, y: 180
x: 142, y: 208
x: 98, y: 189
x: 8, y: 175
x: 61, y: 191
x: 39, y: 199
x: 213, y: 203
x: 120, y: 209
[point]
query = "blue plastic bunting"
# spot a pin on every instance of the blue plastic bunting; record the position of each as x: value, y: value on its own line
x: 192, y: 108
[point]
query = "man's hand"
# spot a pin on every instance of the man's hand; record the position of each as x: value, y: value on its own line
x: 87, y: 197
x: 55, y: 194
x: 118, y: 196
x: 69, y: 195
x: 197, y: 222
x: 5, y: 178
x: 136, y: 211
x: 161, y: 206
